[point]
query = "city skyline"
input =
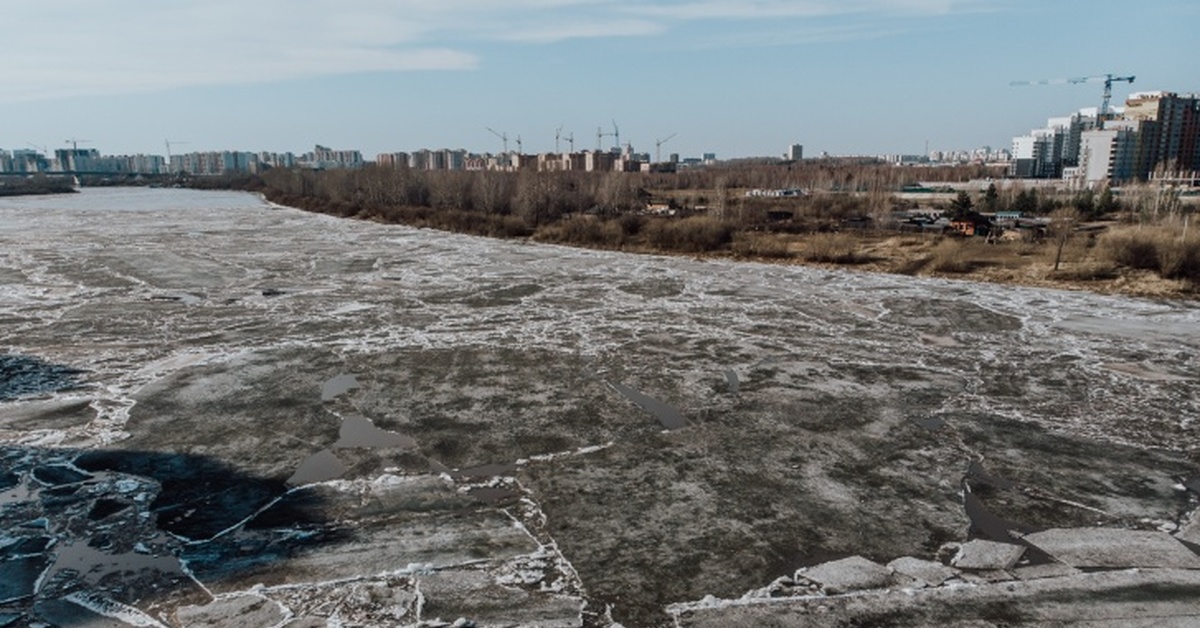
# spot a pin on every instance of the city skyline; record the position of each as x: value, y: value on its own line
x: 735, y: 78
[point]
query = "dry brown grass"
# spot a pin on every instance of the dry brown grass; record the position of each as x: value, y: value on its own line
x: 1086, y: 271
x: 695, y: 234
x: 834, y: 248
x: 583, y: 231
x: 768, y: 245
x: 952, y: 256
x: 1163, y: 249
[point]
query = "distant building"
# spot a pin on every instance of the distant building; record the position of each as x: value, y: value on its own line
x: 664, y: 167
x: 1108, y: 155
x: 392, y: 160
x: 556, y: 162
x: 574, y: 161
x: 524, y: 162
x: 598, y: 161
x: 628, y: 163
x: 1157, y: 136
x: 905, y: 160
x: 795, y: 152
x: 324, y: 157
x: 1169, y: 131
x: 25, y: 160
x: 77, y: 159
x: 214, y: 162
x: 1044, y: 153
x: 276, y: 160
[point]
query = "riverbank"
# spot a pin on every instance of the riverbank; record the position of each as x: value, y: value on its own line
x: 1106, y: 257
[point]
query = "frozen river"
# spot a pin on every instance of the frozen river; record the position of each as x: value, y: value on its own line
x: 401, y: 425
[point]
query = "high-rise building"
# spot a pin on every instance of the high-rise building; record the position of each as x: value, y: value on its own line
x: 597, y: 161
x: 795, y: 152
x: 1108, y: 155
x: 392, y: 160
x: 325, y: 157
x: 1157, y: 136
x: 77, y: 159
x: 1168, y: 131
x: 1045, y: 152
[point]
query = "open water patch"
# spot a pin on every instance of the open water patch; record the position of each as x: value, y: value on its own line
x: 337, y: 386
x: 24, y: 375
x: 319, y: 467
x: 731, y: 381
x: 492, y: 470
x: 932, y: 423
x: 359, y: 431
x: 120, y: 524
x: 669, y: 416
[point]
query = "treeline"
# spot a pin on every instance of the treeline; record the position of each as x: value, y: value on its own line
x: 711, y: 213
x: 37, y: 184
x: 539, y: 198
x: 708, y: 206
x: 535, y: 198
x: 1029, y: 202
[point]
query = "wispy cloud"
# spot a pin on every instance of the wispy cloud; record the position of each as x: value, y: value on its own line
x: 774, y: 9
x: 82, y: 47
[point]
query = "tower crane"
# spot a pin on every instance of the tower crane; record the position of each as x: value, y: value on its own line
x: 1108, y: 80
x: 600, y: 135
x: 658, y: 147
x: 520, y: 151
x: 168, y: 143
x: 75, y: 143
x: 503, y: 137
x: 558, y: 135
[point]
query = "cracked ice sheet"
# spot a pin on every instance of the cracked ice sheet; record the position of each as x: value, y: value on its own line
x: 208, y: 323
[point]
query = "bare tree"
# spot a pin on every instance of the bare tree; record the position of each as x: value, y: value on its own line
x: 493, y: 192
x: 616, y: 193
x: 1063, y: 222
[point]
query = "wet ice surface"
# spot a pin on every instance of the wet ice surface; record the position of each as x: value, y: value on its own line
x: 22, y: 375
x: 392, y: 397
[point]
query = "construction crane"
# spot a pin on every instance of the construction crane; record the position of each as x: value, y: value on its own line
x: 600, y: 135
x: 503, y: 137
x: 559, y: 136
x: 658, y: 147
x: 168, y: 143
x: 75, y: 143
x: 520, y: 151
x: 1108, y: 79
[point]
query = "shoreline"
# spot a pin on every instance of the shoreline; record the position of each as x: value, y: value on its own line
x: 891, y: 253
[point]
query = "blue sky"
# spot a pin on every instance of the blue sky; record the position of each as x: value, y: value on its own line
x: 739, y: 78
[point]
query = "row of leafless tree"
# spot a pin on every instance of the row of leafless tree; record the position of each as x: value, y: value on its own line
x: 536, y: 197
x: 542, y: 197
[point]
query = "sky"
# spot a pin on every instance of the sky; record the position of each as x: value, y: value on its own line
x: 736, y: 78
